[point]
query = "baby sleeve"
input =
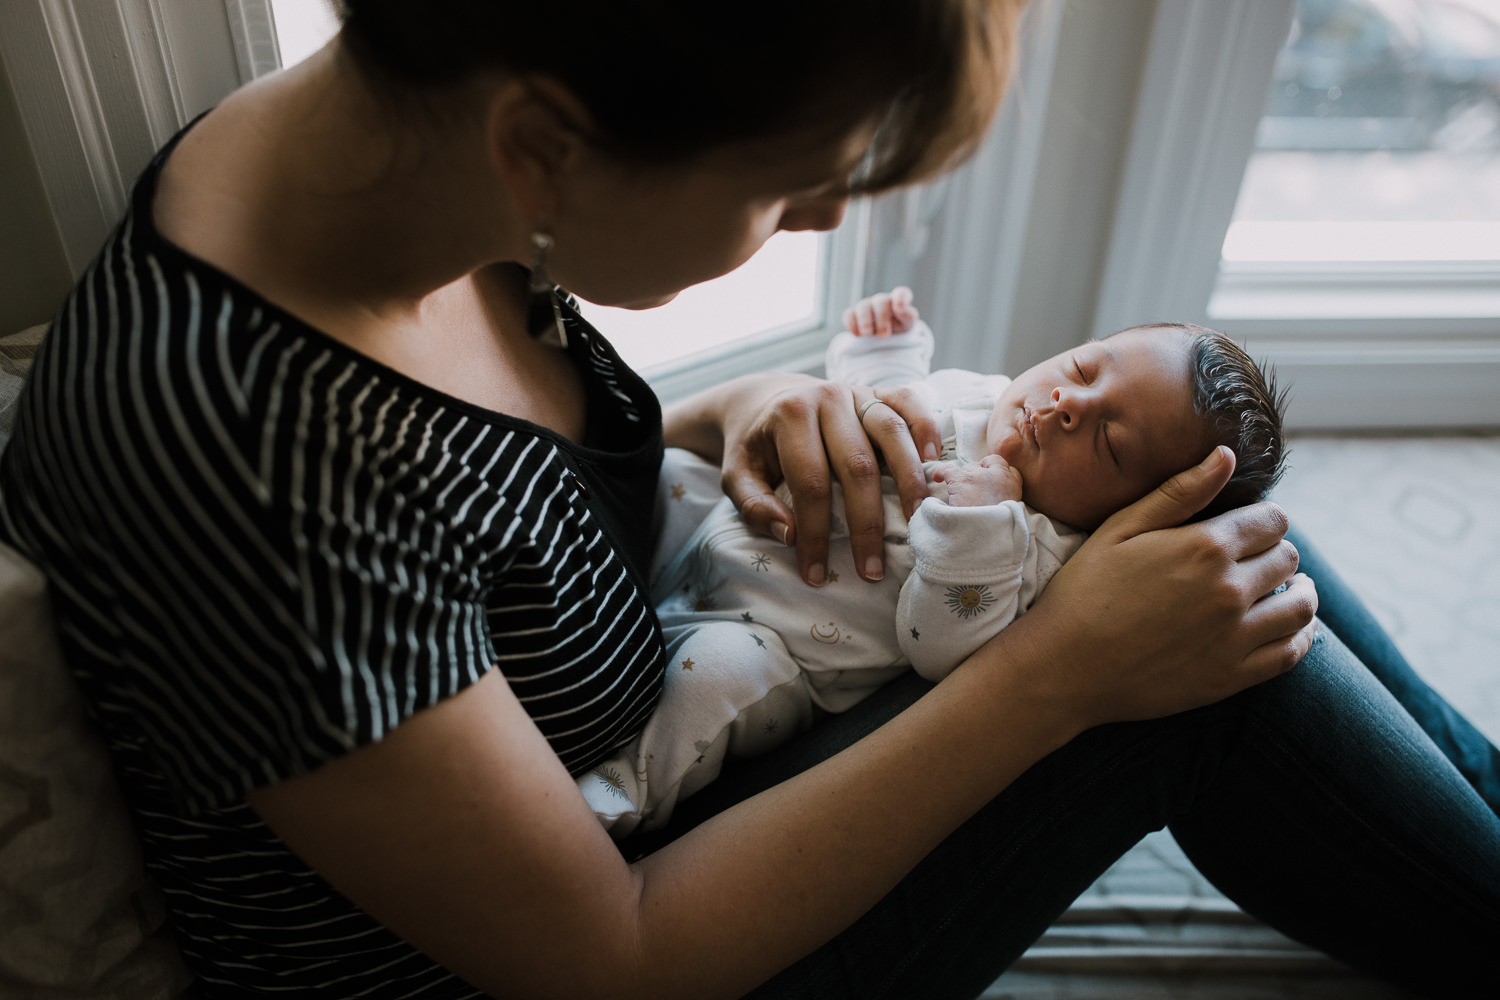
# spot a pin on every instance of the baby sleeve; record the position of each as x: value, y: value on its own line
x: 899, y: 359
x: 966, y: 584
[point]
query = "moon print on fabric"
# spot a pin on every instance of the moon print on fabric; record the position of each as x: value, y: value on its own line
x: 828, y: 635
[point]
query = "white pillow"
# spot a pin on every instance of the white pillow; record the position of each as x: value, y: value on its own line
x: 78, y: 918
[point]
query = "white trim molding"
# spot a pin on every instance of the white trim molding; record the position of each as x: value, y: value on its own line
x: 252, y: 26
x: 101, y: 86
x: 1372, y: 345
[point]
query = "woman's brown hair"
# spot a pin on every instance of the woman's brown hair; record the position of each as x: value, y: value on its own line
x: 667, y: 79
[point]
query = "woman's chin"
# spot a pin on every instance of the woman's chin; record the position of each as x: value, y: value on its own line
x: 651, y: 303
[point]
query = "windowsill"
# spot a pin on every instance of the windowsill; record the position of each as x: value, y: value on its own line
x: 1318, y: 290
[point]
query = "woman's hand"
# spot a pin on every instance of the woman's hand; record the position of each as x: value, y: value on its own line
x: 777, y: 427
x: 1153, y: 617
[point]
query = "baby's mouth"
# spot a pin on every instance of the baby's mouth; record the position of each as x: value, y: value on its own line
x: 1028, y: 424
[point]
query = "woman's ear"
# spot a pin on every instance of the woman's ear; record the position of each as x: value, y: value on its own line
x: 536, y: 135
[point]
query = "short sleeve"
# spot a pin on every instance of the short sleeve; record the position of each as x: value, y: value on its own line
x: 264, y: 550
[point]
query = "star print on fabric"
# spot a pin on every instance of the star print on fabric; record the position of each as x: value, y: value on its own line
x: 915, y: 634
x: 677, y: 491
x: 746, y: 617
x: 833, y: 576
x: 758, y: 640
x: 687, y: 664
x: 761, y: 562
x: 966, y: 602
x: 771, y: 725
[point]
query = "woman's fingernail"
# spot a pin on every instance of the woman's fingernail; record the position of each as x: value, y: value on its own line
x: 874, y: 569
x: 780, y: 531
x: 815, y: 574
x: 930, y: 452
x: 1213, y: 460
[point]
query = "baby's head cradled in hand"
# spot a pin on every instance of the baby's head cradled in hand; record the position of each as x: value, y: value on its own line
x: 1099, y: 426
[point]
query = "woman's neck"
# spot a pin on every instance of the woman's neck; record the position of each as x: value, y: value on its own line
x: 311, y: 190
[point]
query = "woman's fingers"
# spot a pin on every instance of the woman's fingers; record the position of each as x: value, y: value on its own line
x: 758, y: 504
x: 1262, y: 572
x: 1286, y: 623
x: 1175, y: 500
x: 1282, y: 613
x: 905, y: 431
x: 1248, y: 531
x: 921, y: 423
x: 813, y: 434
x: 854, y: 461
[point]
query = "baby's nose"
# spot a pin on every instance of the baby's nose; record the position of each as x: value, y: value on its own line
x: 1074, y: 405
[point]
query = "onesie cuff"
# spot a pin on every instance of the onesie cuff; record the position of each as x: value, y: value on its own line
x: 878, y: 360
x: 954, y: 545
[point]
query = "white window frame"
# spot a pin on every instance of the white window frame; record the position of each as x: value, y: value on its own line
x: 1363, y: 345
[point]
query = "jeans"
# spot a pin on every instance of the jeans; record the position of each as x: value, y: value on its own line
x: 1343, y: 803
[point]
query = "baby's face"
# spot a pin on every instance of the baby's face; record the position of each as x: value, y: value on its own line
x: 1100, y: 426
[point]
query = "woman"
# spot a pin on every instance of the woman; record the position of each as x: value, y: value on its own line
x: 341, y: 506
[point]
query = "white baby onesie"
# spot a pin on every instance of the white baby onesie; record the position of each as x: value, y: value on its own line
x: 756, y: 656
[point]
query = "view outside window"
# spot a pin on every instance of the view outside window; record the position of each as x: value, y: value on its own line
x: 1381, y: 137
x: 302, y: 27
x: 779, y: 289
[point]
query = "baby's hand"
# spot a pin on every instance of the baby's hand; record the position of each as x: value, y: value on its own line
x: 882, y: 315
x: 979, y: 484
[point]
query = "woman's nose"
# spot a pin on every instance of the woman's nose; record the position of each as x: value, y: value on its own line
x: 1074, y: 405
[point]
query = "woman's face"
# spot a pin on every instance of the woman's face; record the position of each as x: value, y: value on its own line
x: 636, y: 236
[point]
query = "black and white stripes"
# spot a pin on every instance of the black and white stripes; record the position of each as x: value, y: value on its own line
x: 266, y: 549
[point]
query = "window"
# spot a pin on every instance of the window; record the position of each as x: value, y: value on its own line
x: 780, y: 289
x: 1380, y: 139
x: 1359, y: 254
x: 1373, y: 191
x: 303, y: 27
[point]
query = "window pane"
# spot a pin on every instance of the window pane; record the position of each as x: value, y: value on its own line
x: 777, y: 290
x: 303, y: 27
x: 1381, y: 137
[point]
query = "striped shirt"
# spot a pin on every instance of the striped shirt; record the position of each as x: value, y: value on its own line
x: 266, y: 549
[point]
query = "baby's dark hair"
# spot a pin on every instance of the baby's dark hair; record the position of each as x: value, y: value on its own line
x: 1243, y: 408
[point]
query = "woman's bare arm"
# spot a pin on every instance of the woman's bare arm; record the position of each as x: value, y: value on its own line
x: 462, y: 832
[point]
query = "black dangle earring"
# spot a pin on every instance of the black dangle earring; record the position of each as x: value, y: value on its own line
x: 543, y: 315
